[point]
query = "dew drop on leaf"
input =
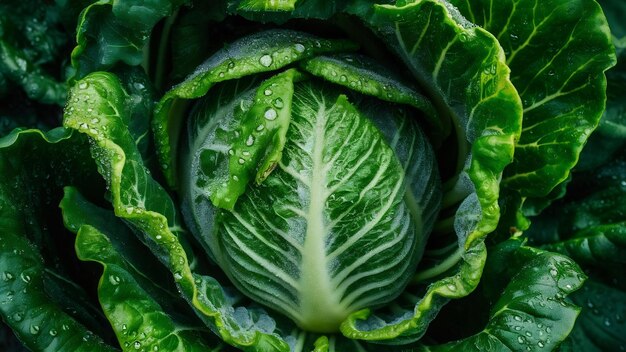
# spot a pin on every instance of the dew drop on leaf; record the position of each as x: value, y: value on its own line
x: 270, y: 114
x: 34, y: 329
x: 265, y: 60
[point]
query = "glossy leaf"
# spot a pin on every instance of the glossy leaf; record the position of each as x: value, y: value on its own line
x: 530, y: 311
x: 364, y: 75
x: 138, y: 320
x: 559, y: 75
x: 33, y: 39
x: 38, y: 318
x: 110, y: 31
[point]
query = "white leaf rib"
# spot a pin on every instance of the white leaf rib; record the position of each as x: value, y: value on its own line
x: 253, y: 231
x: 267, y: 265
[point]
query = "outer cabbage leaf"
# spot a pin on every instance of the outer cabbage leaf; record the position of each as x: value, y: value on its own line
x: 526, y: 290
x: 557, y: 51
x: 110, y: 31
x: 35, y: 275
x: 590, y: 226
x: 126, y: 287
x: 33, y: 40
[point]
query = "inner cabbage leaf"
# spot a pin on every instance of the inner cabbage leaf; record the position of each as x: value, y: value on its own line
x: 341, y: 222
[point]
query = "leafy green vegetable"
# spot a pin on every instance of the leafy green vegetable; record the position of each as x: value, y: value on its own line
x: 312, y: 175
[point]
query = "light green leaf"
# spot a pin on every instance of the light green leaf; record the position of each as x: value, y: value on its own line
x: 267, y: 5
x: 366, y: 76
x: 256, y: 145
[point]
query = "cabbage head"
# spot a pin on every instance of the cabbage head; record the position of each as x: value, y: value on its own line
x: 309, y: 175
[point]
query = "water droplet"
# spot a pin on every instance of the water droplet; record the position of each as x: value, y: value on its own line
x: 521, y: 339
x: 278, y: 103
x: 231, y: 152
x: 245, y: 153
x: 250, y: 141
x: 65, y: 327
x: 158, y: 237
x: 268, y: 92
x: 221, y: 74
x: 231, y: 65
x: 260, y: 127
x: 554, y: 272
x: 114, y: 279
x: 83, y: 85
x: 517, y: 317
x: 129, y: 210
x: 529, y: 334
x: 540, y: 344
x: 137, y: 345
x: 124, y: 327
x: 7, y: 276
x: 299, y: 47
x: 53, y: 332
x: 265, y: 60
x: 18, y: 316
x: 178, y: 276
x: 451, y: 287
x: 270, y: 114
x: 607, y: 322
x: 241, y: 161
x: 34, y: 329
x: 95, y: 119
x: 25, y: 277
x: 235, y: 178
x: 513, y: 36
x: 333, y: 73
x: 343, y: 78
x: 568, y: 286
